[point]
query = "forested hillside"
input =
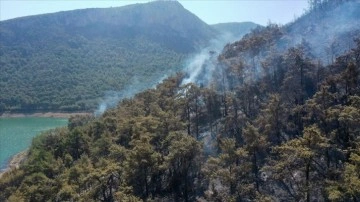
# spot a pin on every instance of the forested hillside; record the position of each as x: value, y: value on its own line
x: 326, y: 31
x: 285, y: 130
x: 299, y: 141
x: 67, y: 61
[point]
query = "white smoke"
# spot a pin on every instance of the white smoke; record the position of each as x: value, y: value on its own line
x: 112, y: 98
x: 199, y: 70
x: 201, y: 66
x: 196, y: 66
x: 329, y: 33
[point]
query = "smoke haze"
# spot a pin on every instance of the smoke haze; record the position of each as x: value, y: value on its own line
x: 199, y: 68
x: 112, y: 98
x: 341, y: 24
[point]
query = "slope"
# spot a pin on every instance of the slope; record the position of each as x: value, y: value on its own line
x: 66, y: 61
x: 185, y: 143
x: 327, y: 31
x: 291, y: 134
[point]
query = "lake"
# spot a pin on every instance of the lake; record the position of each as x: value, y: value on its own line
x: 16, y: 134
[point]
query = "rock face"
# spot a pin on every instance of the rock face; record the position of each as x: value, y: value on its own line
x: 14, y: 162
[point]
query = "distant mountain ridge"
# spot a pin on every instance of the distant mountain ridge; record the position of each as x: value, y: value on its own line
x: 158, y: 21
x: 272, y: 122
x: 67, y: 61
x: 237, y: 29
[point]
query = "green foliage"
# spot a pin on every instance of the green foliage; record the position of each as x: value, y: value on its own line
x: 245, y: 140
x: 230, y: 174
x: 75, y: 79
x: 68, y: 61
x: 347, y: 188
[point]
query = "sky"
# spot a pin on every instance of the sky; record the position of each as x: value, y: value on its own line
x: 210, y: 11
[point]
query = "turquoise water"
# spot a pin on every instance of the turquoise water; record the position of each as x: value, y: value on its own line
x: 16, y: 134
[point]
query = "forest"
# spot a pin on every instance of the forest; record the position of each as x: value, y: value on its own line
x: 270, y: 126
x: 68, y: 61
x: 255, y: 141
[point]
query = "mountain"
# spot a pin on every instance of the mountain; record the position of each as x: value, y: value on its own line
x: 285, y: 130
x: 186, y: 143
x: 340, y: 30
x: 237, y: 29
x: 307, y: 31
x: 68, y: 61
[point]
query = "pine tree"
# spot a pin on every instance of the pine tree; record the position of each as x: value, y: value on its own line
x: 348, y: 187
x: 255, y: 145
x: 271, y: 120
x: 298, y: 164
x: 183, y: 165
x: 229, y: 174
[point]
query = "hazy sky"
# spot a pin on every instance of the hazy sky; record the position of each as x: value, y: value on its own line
x: 213, y: 11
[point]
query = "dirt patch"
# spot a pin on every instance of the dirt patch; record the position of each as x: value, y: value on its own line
x: 14, y: 162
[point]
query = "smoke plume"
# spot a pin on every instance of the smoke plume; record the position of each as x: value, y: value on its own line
x: 200, y: 67
x: 112, y: 98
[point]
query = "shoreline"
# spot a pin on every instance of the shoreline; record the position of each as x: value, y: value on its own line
x: 14, y: 162
x: 17, y: 159
x: 44, y: 114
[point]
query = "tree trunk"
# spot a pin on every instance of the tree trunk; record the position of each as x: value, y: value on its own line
x: 256, y: 170
x: 307, y: 173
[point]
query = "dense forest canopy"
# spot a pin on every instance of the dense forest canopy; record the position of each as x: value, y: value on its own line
x: 280, y: 126
x: 69, y: 61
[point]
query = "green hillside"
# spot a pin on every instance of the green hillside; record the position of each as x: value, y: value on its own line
x: 183, y: 143
x: 276, y: 125
x: 67, y: 61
